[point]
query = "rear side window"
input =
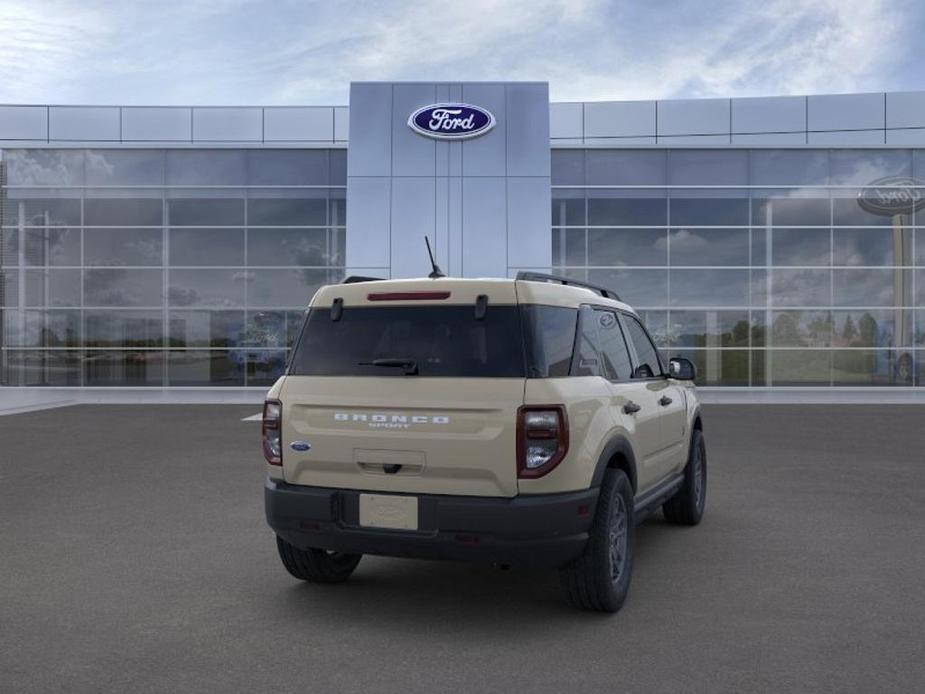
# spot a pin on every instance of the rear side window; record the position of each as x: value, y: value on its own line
x: 549, y: 336
x: 443, y: 341
x: 614, y: 354
x: 646, y: 353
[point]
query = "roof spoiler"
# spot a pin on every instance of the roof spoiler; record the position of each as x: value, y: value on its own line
x: 542, y: 277
x: 354, y: 279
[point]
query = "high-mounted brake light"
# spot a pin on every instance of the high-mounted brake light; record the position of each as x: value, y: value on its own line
x: 271, y: 432
x: 407, y: 296
x: 542, y: 439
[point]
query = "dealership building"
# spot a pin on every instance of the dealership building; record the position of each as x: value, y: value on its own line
x: 777, y: 242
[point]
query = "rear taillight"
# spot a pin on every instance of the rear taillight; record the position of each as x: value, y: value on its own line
x: 542, y: 439
x: 272, y: 432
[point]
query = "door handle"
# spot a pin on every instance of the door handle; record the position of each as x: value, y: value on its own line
x: 631, y: 408
x: 664, y: 401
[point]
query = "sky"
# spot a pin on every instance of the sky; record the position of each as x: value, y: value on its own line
x: 284, y: 52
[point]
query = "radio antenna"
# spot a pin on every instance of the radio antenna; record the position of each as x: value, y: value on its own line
x: 436, y: 271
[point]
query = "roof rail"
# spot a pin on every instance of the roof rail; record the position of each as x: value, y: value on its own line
x: 353, y: 279
x: 542, y: 277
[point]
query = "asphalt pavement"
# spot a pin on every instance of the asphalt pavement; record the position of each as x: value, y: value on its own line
x: 134, y: 557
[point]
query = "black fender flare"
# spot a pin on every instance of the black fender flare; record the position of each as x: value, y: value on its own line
x: 618, y: 444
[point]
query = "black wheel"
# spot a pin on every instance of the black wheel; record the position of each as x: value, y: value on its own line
x: 317, y: 565
x: 686, y: 506
x: 600, y: 578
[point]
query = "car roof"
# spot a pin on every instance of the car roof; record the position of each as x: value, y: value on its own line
x: 457, y: 290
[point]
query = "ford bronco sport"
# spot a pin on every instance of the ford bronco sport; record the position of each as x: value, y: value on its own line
x: 528, y: 421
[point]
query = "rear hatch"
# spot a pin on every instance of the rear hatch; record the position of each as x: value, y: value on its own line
x: 409, y: 387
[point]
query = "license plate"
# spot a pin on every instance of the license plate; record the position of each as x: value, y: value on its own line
x: 389, y: 511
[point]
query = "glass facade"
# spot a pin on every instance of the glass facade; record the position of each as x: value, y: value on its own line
x: 762, y: 266
x: 163, y: 267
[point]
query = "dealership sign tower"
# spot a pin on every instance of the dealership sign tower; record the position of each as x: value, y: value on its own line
x: 466, y: 164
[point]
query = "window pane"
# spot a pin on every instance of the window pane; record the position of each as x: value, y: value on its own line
x: 286, y: 288
x: 873, y: 328
x: 206, y: 328
x: 800, y: 287
x: 646, y: 354
x: 568, y: 167
x: 800, y: 247
x: 872, y: 287
x: 288, y: 167
x: 270, y: 329
x: 801, y: 328
x: 605, y: 209
x: 206, y: 167
x: 217, y: 211
x: 288, y: 211
x: 52, y: 246
x: 861, y: 167
x: 139, y: 212
x: 125, y: 247
x: 568, y: 208
x: 790, y: 211
x: 9, y: 247
x: 41, y: 368
x: 656, y: 322
x: 847, y: 212
x: 861, y: 367
x: 200, y: 247
x: 798, y: 367
x: 41, y: 210
x: 52, y: 287
x: 625, y: 167
x: 123, y: 287
x: 219, y: 288
x: 113, y: 368
x: 125, y: 167
x: 709, y: 287
x: 788, y: 167
x: 709, y: 246
x: 549, y: 339
x: 708, y: 167
x: 691, y: 211
x: 263, y: 367
x: 873, y: 246
x: 709, y: 328
x: 588, y: 361
x: 123, y: 328
x: 620, y: 247
x: 614, y: 352
x: 51, y: 329
x: 215, y: 368
x: 44, y: 167
x: 639, y: 288
x: 718, y: 367
x: 281, y: 247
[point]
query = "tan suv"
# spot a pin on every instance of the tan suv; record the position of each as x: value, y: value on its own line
x: 528, y: 421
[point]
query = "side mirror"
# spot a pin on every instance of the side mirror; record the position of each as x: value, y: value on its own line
x: 682, y: 369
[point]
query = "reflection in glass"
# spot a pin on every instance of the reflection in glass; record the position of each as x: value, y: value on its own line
x: 288, y: 211
x: 206, y: 328
x: 41, y: 368
x: 709, y: 287
x: 118, y: 287
x: 206, y: 167
x: 728, y: 367
x: 203, y: 247
x: 52, y: 246
x: 709, y: 246
x: 119, y: 328
x: 268, y: 167
x: 790, y: 208
x: 43, y: 209
x: 206, y: 211
x: 801, y: 328
x: 568, y: 167
x: 625, y: 167
x: 709, y: 328
x: 882, y: 367
x: 568, y: 208
x: 569, y: 247
x: 872, y: 246
x: 205, y: 368
x: 639, y: 288
x: 620, y: 247
x: 44, y: 167
x: 137, y: 212
x: 53, y: 288
x: 872, y: 287
x: 708, y: 167
x: 263, y: 366
x: 800, y: 247
x: 218, y: 288
x: 299, y: 247
x: 123, y: 247
x: 873, y: 328
x: 798, y: 367
x: 287, y: 288
x: 51, y: 329
x: 606, y: 209
x: 708, y: 211
x: 115, y: 368
x: 800, y: 287
x: 113, y: 167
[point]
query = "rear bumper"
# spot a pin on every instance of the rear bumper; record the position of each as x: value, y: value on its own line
x: 545, y: 530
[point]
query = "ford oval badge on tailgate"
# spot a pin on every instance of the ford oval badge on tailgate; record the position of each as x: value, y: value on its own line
x: 300, y: 445
x: 451, y: 121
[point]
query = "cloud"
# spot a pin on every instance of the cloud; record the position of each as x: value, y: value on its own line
x: 292, y: 52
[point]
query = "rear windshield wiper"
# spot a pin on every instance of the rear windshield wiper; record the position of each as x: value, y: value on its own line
x: 409, y: 365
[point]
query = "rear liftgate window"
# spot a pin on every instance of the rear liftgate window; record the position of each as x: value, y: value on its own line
x: 400, y: 341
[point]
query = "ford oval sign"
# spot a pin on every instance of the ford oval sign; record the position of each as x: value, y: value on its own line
x: 451, y: 121
x: 893, y: 195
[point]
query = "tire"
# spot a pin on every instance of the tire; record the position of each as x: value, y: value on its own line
x: 600, y: 578
x: 686, y: 506
x: 317, y: 565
